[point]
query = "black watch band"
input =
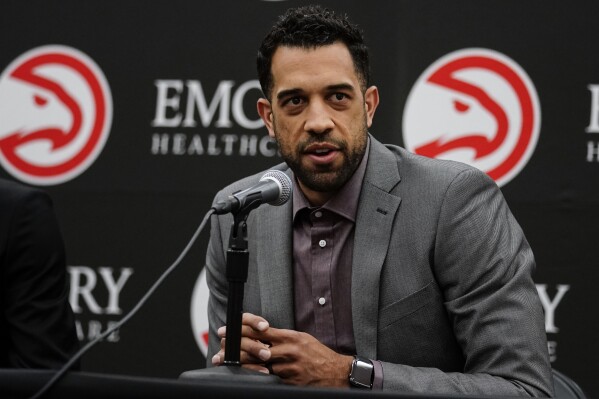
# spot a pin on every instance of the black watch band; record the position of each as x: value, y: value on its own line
x: 362, y: 373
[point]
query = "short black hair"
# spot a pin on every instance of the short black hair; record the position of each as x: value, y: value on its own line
x: 311, y: 27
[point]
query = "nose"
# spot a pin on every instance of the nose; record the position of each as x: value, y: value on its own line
x: 318, y: 120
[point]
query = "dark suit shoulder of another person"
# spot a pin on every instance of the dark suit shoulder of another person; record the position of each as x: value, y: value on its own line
x: 37, y: 328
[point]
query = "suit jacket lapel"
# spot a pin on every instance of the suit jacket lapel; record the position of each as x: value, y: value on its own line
x: 274, y: 254
x: 374, y: 222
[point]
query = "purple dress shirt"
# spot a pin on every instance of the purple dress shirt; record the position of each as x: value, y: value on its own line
x: 323, y: 241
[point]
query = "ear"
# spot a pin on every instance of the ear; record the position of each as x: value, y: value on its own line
x: 265, y: 112
x: 371, y: 101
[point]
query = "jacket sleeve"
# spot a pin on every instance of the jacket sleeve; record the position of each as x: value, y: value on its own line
x: 216, y: 280
x: 40, y: 320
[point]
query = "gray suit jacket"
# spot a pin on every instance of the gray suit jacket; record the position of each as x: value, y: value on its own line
x: 442, y: 292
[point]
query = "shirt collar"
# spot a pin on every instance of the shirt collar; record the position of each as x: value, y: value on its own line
x: 345, y: 201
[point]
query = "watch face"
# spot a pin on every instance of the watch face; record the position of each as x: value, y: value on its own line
x: 361, y: 373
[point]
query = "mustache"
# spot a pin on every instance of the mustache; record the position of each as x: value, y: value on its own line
x: 322, y: 138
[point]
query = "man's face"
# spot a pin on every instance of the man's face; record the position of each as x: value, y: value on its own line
x: 318, y: 114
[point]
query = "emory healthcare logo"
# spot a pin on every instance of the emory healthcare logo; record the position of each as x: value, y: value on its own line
x: 55, y: 115
x: 475, y: 106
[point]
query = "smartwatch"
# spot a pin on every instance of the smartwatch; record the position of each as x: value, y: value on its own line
x: 362, y: 373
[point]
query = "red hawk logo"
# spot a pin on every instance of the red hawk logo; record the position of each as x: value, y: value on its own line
x: 475, y: 106
x: 55, y: 115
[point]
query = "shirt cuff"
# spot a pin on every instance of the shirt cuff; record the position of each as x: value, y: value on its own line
x: 377, y: 381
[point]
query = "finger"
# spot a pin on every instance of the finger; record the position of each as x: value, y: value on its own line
x: 249, y: 332
x: 244, y: 358
x: 256, y: 322
x: 273, y: 336
x: 280, y: 353
x: 257, y: 367
x: 251, y: 351
x: 222, y: 331
x: 255, y: 348
x: 218, y: 359
x: 245, y: 331
x: 285, y: 352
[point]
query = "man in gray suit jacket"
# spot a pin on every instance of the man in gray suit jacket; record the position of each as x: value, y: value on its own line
x: 387, y: 270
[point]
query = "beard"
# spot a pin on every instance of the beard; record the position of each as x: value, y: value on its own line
x: 324, y: 178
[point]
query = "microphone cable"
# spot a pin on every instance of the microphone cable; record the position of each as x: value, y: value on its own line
x: 129, y: 315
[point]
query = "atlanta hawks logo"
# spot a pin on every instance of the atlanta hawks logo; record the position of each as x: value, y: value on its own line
x: 55, y: 115
x: 475, y: 106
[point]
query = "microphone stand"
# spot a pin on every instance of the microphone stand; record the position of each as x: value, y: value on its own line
x: 237, y: 273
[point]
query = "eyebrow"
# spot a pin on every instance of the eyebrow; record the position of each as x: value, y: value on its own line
x: 340, y: 86
x: 289, y: 92
x: 296, y: 91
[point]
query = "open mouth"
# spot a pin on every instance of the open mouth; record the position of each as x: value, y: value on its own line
x: 321, y: 153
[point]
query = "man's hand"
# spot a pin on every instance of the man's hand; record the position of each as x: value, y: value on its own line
x: 254, y: 353
x: 297, y: 358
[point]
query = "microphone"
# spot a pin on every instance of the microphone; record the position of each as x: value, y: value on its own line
x: 273, y: 188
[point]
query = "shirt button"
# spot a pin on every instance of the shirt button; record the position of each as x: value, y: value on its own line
x: 318, y: 214
x: 322, y: 301
x: 322, y: 243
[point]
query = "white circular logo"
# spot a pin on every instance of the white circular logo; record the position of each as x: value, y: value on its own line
x: 199, y: 312
x: 55, y: 115
x: 475, y: 106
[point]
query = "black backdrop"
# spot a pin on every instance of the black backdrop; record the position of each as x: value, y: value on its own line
x: 130, y: 212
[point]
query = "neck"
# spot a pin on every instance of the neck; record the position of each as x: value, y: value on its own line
x: 315, y: 198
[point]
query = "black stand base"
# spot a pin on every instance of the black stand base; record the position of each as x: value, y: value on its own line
x: 234, y: 374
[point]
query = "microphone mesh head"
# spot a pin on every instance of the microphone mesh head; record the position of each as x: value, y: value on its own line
x: 285, y: 186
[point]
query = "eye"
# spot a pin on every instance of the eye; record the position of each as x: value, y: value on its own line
x: 339, y: 98
x: 39, y: 100
x: 460, y: 106
x: 293, y: 101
